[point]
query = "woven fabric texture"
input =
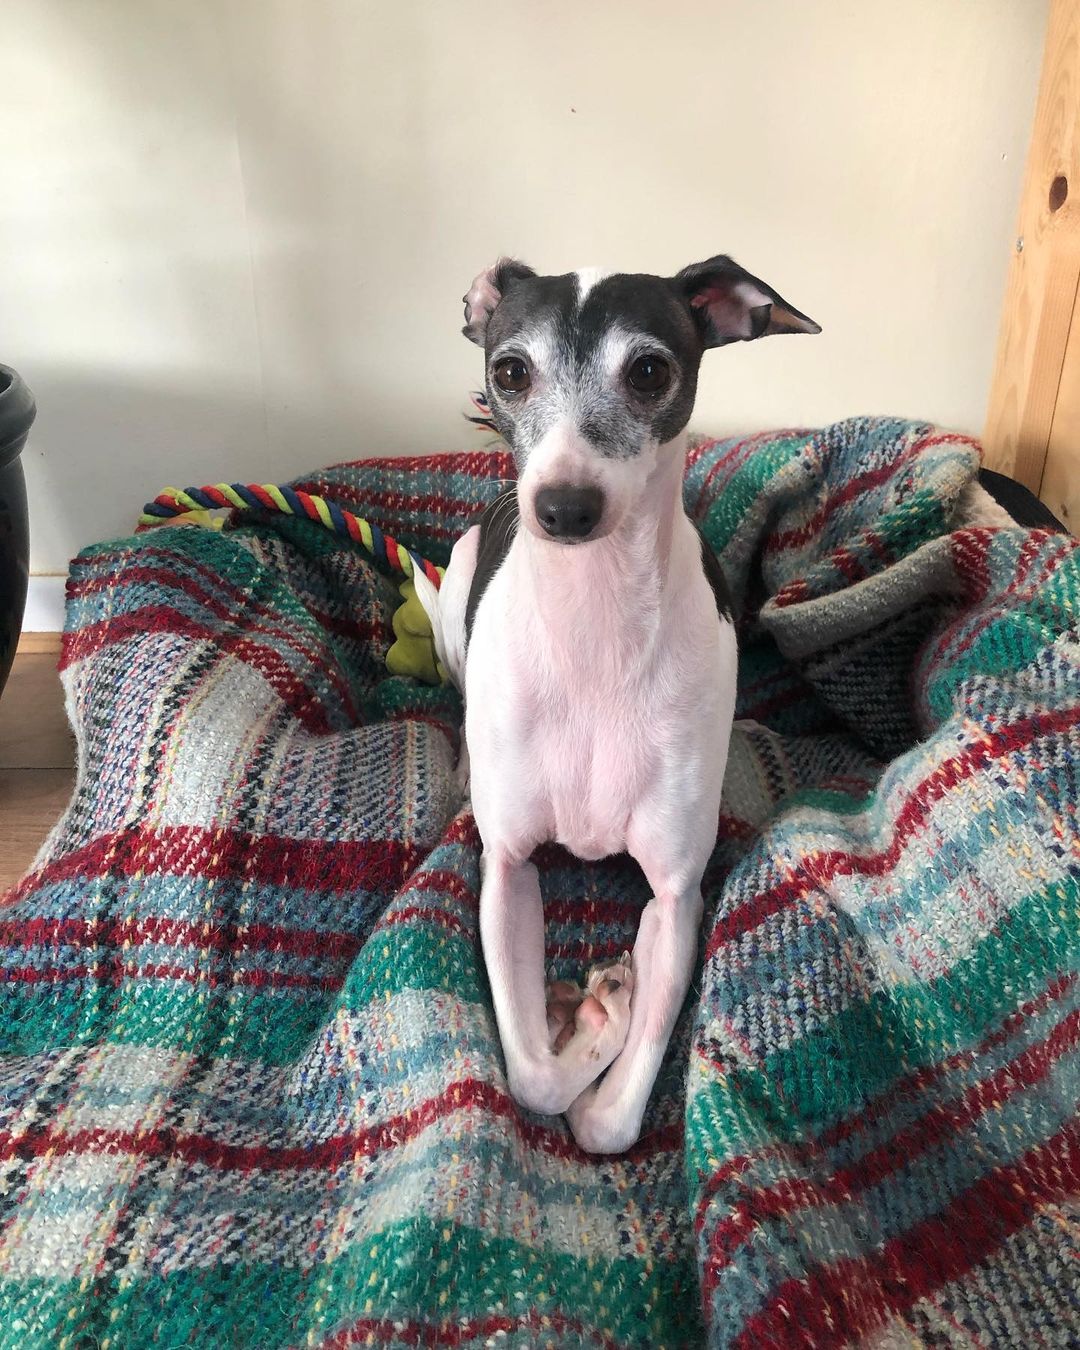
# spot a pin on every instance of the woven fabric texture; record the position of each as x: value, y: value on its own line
x: 251, y: 1091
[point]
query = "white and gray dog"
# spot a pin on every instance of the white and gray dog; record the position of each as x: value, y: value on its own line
x: 586, y: 622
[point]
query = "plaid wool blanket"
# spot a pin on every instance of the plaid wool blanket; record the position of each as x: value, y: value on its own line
x: 251, y: 1092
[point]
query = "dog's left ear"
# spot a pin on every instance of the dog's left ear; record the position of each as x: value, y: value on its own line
x: 487, y: 290
x: 729, y: 305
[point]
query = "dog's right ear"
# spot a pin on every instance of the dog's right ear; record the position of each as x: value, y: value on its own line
x: 730, y: 305
x: 485, y: 293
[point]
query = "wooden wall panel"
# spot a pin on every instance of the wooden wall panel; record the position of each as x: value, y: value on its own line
x: 1042, y: 287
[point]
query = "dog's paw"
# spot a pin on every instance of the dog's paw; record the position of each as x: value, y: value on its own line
x: 592, y: 1023
x: 562, y: 998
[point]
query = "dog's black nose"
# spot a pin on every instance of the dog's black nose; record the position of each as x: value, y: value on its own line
x: 569, y: 512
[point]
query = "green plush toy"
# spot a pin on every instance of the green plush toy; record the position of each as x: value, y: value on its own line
x: 414, y: 651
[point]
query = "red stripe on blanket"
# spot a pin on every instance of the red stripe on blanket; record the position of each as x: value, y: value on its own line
x: 923, y: 1078
x: 410, y: 1331
x: 452, y: 513
x: 741, y: 449
x: 364, y: 631
x: 462, y: 830
x: 402, y: 715
x: 157, y: 931
x: 99, y: 571
x: 292, y: 691
x: 404, y: 505
x: 292, y: 637
x: 217, y: 585
x: 810, y: 1152
x: 933, y: 1130
x: 732, y: 827
x: 492, y: 463
x: 467, y: 1095
x: 843, y: 560
x: 695, y: 452
x: 424, y: 914
x: 864, y: 482
x: 1047, y: 547
x: 849, y: 1298
x: 215, y: 854
x: 810, y: 876
x: 442, y: 881
x: 588, y: 911
x: 971, y: 551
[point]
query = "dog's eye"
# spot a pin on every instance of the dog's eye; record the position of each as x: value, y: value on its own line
x: 512, y: 375
x: 649, y: 375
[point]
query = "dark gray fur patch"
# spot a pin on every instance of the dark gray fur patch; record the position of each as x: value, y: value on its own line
x: 498, y: 525
x: 715, y: 577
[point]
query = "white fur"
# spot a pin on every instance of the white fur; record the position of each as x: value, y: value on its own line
x: 599, y: 692
x: 587, y: 278
x: 446, y: 608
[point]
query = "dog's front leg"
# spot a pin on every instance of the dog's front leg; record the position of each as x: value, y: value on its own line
x: 549, y: 1060
x: 607, y: 1117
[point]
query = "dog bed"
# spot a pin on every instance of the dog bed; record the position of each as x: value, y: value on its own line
x: 251, y: 1092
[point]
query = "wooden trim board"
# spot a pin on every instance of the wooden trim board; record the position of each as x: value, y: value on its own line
x: 39, y: 644
x: 34, y: 730
x: 31, y: 802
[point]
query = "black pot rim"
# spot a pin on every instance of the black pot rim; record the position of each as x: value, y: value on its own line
x: 17, y: 413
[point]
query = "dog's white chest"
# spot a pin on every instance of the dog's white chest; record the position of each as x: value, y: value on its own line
x: 571, y: 741
x: 592, y: 758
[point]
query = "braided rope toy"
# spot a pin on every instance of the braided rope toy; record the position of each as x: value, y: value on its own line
x: 413, y: 652
x: 173, y: 502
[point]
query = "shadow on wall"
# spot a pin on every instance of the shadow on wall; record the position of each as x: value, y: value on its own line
x: 243, y: 230
x: 148, y: 436
x: 217, y: 232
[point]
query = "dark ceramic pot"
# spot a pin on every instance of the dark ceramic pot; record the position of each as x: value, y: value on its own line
x: 17, y: 411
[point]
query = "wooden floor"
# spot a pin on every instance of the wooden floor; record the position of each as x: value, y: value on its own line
x: 37, y: 755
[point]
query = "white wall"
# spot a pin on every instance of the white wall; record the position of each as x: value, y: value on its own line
x: 234, y: 233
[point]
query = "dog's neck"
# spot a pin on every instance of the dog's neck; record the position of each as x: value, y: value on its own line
x: 608, y: 596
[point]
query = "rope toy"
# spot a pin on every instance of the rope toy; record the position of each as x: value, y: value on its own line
x: 413, y: 651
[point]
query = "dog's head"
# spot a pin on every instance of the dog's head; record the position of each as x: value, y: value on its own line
x: 590, y: 375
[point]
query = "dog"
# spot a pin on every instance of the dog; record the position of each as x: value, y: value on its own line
x: 586, y: 622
